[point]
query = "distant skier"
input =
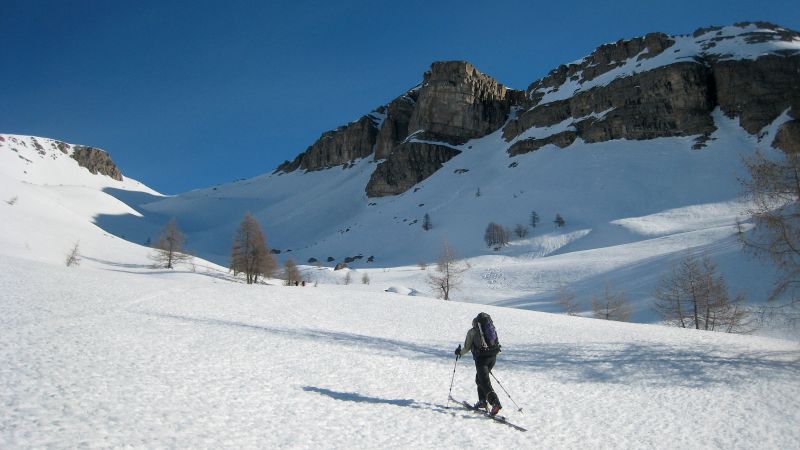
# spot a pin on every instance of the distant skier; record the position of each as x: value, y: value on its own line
x: 482, y: 341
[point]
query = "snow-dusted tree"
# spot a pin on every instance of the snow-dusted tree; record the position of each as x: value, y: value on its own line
x: 365, y: 278
x: 693, y: 295
x: 495, y: 235
x: 249, y: 252
x: 73, y: 256
x: 559, y: 221
x: 534, y: 219
x: 478, y: 192
x: 566, y: 299
x: 426, y: 222
x: 291, y: 273
x: 774, y: 191
x: 12, y: 201
x: 521, y: 230
x: 611, y: 305
x: 169, y: 249
x: 348, y: 278
x: 448, y: 272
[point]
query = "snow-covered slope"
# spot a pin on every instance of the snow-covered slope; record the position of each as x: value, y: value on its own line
x: 151, y: 359
x: 50, y: 203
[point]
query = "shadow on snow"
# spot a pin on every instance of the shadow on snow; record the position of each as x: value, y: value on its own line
x: 405, y: 403
x: 649, y: 364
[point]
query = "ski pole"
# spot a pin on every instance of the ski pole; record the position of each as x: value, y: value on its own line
x: 451, y: 381
x: 504, y: 390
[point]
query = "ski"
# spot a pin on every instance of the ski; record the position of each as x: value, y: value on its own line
x: 497, y: 418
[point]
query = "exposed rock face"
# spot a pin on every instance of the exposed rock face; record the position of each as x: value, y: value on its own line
x: 355, y: 140
x: 457, y: 103
x: 395, y: 126
x: 675, y: 100
x: 758, y: 91
x: 409, y: 164
x: 96, y: 161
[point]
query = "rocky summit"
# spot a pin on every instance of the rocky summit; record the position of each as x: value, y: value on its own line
x: 642, y: 88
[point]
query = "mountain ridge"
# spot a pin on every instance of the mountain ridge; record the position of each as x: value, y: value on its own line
x: 641, y: 88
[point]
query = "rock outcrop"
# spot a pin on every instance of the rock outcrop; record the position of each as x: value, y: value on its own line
x: 96, y: 161
x: 455, y: 103
x: 458, y: 103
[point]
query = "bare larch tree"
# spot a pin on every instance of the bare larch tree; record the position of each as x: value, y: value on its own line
x: 495, y: 235
x: 291, y: 273
x: 693, y: 295
x: 74, y: 257
x: 169, y: 250
x: 448, y: 273
x: 774, y: 192
x: 566, y: 299
x: 611, y: 305
x: 249, y: 252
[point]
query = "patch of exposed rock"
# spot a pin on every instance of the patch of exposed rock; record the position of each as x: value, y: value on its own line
x: 562, y: 139
x: 409, y: 164
x: 96, y: 161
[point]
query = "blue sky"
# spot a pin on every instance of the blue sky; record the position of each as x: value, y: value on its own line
x: 191, y: 94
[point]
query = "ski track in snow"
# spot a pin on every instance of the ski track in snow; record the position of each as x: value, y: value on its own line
x: 95, y: 357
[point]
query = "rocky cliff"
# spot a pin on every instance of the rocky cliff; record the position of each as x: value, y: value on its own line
x: 643, y: 88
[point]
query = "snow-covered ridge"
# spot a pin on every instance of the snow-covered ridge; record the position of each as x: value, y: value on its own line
x: 46, y: 161
x: 735, y: 42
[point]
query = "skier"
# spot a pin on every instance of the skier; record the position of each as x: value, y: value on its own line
x: 482, y: 341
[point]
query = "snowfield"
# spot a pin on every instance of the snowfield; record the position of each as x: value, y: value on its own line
x: 125, y: 356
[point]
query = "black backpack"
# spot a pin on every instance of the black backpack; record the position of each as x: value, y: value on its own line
x: 485, y: 340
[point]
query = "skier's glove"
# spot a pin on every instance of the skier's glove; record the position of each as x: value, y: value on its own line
x: 458, y: 350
